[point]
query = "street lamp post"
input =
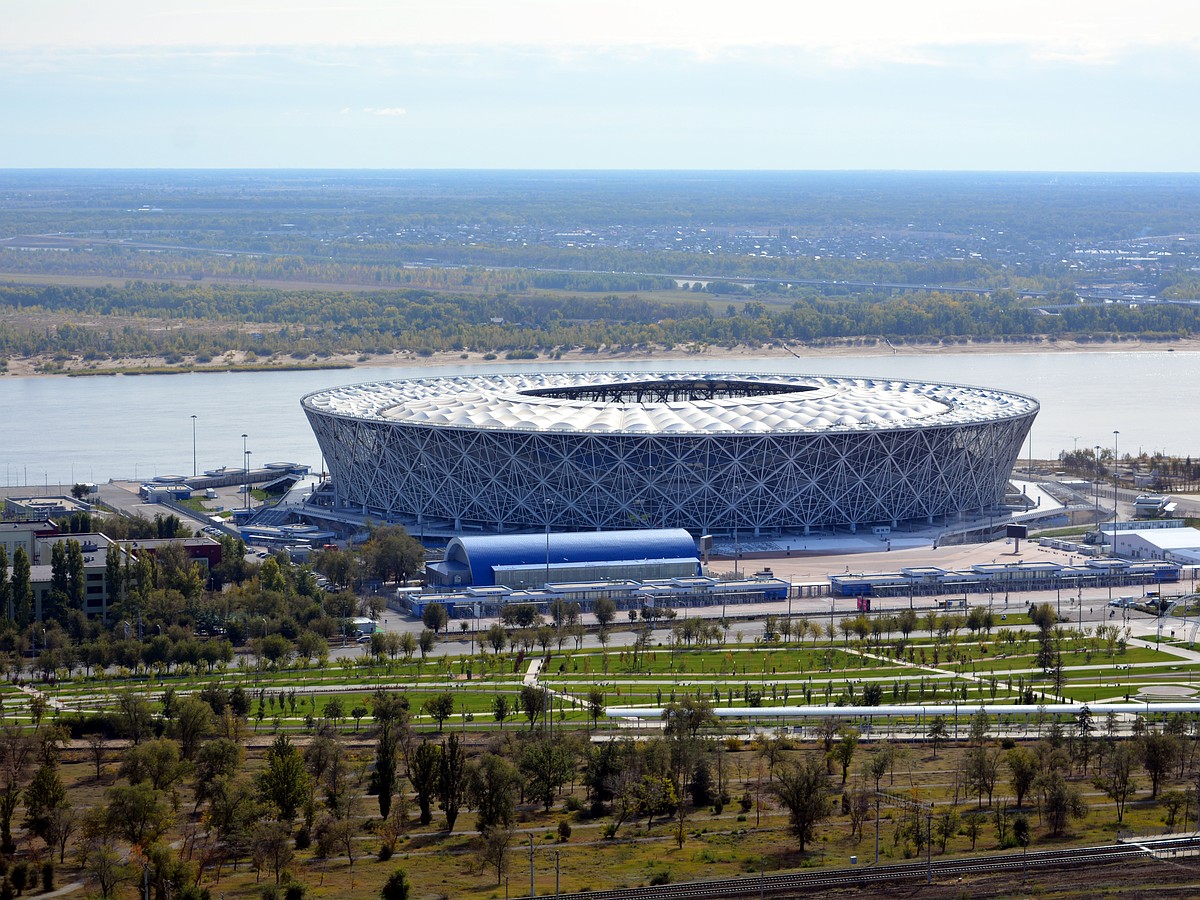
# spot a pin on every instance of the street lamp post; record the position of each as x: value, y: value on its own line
x: 546, y: 502
x: 1116, y: 481
x: 246, y: 469
x: 195, y: 471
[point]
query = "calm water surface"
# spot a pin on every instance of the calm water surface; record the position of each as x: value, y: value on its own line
x: 58, y: 429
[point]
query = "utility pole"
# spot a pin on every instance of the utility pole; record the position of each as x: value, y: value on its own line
x: 929, y: 844
x: 876, y: 826
x: 532, y: 893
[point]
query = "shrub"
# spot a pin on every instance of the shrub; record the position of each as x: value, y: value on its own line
x: 661, y: 878
x: 47, y: 877
x: 564, y: 831
x: 396, y: 887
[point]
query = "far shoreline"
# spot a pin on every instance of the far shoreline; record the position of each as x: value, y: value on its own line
x: 46, y: 366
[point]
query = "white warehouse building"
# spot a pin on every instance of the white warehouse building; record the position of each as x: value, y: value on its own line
x: 1179, y: 545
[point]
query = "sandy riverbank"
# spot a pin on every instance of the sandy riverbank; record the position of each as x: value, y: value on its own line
x: 706, y: 358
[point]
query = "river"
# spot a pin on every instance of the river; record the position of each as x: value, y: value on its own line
x: 63, y: 430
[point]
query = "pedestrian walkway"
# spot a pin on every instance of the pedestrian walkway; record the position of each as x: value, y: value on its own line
x: 532, y: 673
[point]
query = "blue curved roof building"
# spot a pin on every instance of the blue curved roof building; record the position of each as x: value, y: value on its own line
x: 527, y: 560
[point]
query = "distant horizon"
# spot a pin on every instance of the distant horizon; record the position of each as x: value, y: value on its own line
x: 602, y: 170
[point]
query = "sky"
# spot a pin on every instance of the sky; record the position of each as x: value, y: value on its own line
x: 1053, y: 85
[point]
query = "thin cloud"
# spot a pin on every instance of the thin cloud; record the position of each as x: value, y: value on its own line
x: 850, y: 33
x: 388, y: 111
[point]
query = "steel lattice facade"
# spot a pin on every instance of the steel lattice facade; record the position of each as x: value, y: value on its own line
x: 613, y: 451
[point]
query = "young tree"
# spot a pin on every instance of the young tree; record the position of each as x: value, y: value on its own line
x: 1061, y: 802
x: 43, y: 798
x: 595, y: 704
x: 1158, y: 755
x: 272, y: 848
x: 105, y: 864
x: 155, y: 762
x: 843, y: 751
x: 1023, y: 771
x: 133, y: 715
x: 440, y: 707
x: 534, y: 701
x: 1021, y: 832
x: 22, y: 589
x: 546, y: 765
x: 1116, y: 777
x: 387, y: 757
x: 137, y: 813
x: 496, y: 844
x: 494, y: 783
x: 391, y: 553
x: 192, y: 723
x: 358, y: 713
x: 982, y: 767
x: 453, y: 782
x: 434, y: 617
x: 218, y: 759
x: 500, y: 709
x: 496, y: 637
x: 802, y: 788
x: 946, y: 828
x: 605, y: 611
x: 937, y: 733
x: 16, y: 755
x: 972, y: 825
x: 284, y: 783
x: 423, y: 772
x: 75, y: 575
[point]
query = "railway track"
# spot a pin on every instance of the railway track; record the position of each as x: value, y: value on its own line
x: 780, y: 883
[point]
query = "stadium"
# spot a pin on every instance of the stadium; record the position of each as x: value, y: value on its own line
x: 715, y: 454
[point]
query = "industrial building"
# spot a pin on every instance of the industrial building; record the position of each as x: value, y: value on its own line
x: 673, y: 594
x: 714, y: 454
x: 1179, y: 545
x: 1016, y: 577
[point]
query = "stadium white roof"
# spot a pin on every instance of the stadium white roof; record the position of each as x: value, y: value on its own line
x: 740, y: 404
